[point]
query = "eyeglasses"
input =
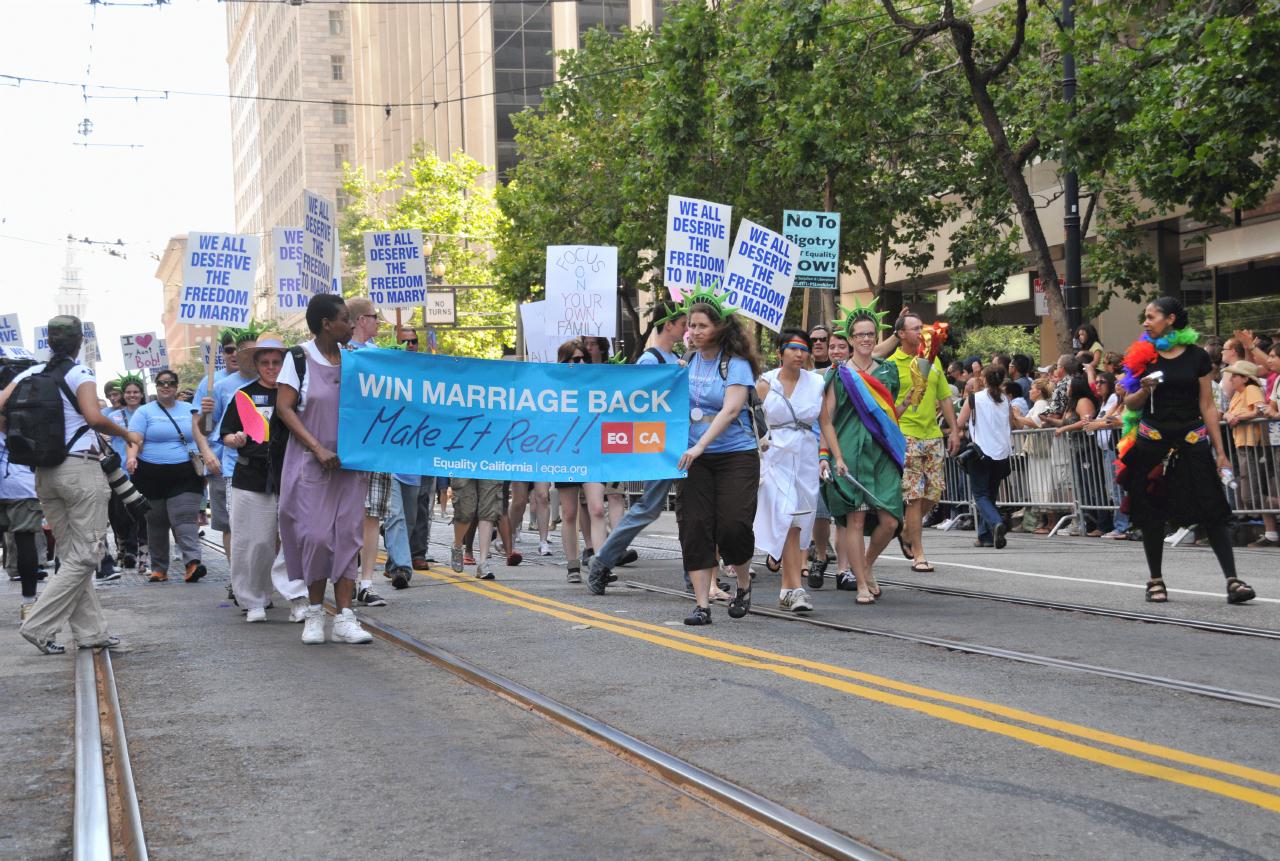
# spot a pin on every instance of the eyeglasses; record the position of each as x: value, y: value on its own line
x: 362, y: 316
x: 863, y: 335
x: 167, y: 384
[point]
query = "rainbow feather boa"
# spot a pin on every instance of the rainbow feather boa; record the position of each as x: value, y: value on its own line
x: 1141, y: 354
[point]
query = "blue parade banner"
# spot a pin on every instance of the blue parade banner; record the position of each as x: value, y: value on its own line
x: 481, y: 418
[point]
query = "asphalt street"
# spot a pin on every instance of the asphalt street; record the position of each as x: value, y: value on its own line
x: 237, y: 731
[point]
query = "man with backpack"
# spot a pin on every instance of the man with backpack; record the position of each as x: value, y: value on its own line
x: 669, y: 324
x: 51, y: 414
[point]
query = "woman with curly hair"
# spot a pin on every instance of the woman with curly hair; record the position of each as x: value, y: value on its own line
x: 716, y: 503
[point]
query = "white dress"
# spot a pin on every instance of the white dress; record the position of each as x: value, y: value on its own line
x: 789, y: 466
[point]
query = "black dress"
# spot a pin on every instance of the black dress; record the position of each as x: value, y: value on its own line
x: 1170, y: 474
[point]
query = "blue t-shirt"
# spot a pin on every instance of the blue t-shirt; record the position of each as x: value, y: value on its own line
x: 224, y: 390
x: 160, y: 440
x: 647, y: 358
x: 202, y: 392
x: 706, y: 392
x: 120, y: 417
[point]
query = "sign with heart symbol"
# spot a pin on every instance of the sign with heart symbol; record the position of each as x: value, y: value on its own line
x: 142, y: 351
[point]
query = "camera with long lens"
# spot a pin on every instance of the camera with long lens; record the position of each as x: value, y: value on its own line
x: 122, y: 487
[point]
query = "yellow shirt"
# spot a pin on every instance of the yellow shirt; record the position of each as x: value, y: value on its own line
x: 1243, y: 404
x: 921, y: 421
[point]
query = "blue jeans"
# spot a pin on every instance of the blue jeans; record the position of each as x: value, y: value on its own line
x: 402, y: 510
x: 985, y: 476
x: 638, y: 516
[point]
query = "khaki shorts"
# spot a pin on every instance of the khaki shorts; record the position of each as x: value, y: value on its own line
x: 476, y: 499
x: 20, y: 515
x: 922, y: 478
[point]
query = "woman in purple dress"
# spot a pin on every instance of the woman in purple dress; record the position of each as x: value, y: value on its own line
x: 321, y: 504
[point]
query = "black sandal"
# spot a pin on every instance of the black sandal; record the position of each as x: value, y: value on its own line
x: 1239, y: 591
x: 906, y: 547
x: 772, y: 564
x: 1157, y: 594
x: 741, y: 603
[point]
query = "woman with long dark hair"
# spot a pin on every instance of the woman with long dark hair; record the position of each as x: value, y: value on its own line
x: 1172, y: 460
x: 1086, y: 339
x: 130, y: 532
x: 991, y: 421
x: 716, y: 503
x: 163, y: 470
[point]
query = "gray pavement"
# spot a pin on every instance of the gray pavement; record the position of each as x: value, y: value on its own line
x: 920, y: 751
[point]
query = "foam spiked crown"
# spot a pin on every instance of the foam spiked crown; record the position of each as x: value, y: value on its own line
x: 844, y: 325
x: 250, y: 332
x: 707, y: 296
x: 125, y: 379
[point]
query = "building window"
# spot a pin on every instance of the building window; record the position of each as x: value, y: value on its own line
x: 523, y: 65
x: 336, y: 62
x: 613, y: 15
x: 339, y: 113
x: 341, y: 199
x: 335, y: 23
x: 340, y: 155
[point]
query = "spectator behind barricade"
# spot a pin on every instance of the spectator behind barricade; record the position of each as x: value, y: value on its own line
x: 1017, y: 402
x: 1247, y: 404
x: 1086, y: 340
x: 957, y: 379
x: 1041, y: 392
x: 1040, y: 470
x: 990, y: 420
x: 1019, y: 370
x: 1232, y: 351
x: 1272, y: 411
x: 73, y: 493
x: 165, y: 466
x: 1067, y: 367
x: 1086, y: 464
x: 1104, y: 429
x: 1112, y: 363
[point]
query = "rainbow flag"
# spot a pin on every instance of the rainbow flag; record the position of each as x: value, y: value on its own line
x: 255, y: 426
x: 875, y: 407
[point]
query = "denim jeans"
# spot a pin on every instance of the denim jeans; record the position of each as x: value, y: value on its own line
x: 419, y: 534
x: 985, y: 476
x: 402, y: 511
x: 638, y: 516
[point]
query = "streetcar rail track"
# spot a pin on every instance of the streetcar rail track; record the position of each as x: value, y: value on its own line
x: 1210, y: 691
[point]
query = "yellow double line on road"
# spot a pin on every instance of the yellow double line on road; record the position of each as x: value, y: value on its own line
x: 934, y: 703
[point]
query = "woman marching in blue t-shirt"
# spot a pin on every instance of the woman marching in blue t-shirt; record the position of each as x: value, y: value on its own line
x: 717, y: 502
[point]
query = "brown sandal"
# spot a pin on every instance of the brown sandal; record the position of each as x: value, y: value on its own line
x: 1157, y: 594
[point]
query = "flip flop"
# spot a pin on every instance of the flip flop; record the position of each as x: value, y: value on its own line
x: 922, y: 568
x: 906, y: 548
x: 869, y: 599
x: 772, y: 564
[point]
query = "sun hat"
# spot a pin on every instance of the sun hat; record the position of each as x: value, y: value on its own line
x: 269, y: 341
x: 1245, y: 369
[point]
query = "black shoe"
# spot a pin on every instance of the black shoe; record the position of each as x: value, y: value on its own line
x: 107, y: 569
x: 741, y: 603
x: 130, y: 561
x: 369, y: 598
x: 13, y: 578
x: 699, y: 616
x: 847, y: 582
x: 597, y: 578
x: 40, y: 574
x: 1001, y: 531
x: 586, y: 556
x: 110, y: 574
x: 817, y: 573
x: 400, y: 577
x: 629, y: 557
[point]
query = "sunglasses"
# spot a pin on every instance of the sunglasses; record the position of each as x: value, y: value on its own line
x: 413, y: 341
x: 167, y: 384
x: 818, y: 339
x: 229, y: 349
x: 576, y: 359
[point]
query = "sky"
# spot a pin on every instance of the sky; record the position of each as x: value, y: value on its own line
x: 178, y: 181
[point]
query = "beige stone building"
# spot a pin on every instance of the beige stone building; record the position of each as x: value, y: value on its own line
x: 182, y: 341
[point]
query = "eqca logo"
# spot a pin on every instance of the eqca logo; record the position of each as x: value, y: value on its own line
x: 633, y: 437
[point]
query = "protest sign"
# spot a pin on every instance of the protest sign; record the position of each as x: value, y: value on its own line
x: 10, y: 332
x: 485, y: 418
x: 440, y: 308
x: 142, y: 351
x: 41, y: 338
x: 762, y: 269
x: 396, y: 269
x: 818, y: 236
x: 538, y: 346
x: 90, y: 352
x: 582, y: 291
x: 318, y: 243
x: 286, y: 261
x: 217, y: 278
x: 17, y: 353
x: 697, y: 244
x: 219, y: 358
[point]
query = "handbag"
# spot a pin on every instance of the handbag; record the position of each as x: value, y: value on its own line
x: 196, y: 459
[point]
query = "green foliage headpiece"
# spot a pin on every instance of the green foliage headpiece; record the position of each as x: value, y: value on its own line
x: 844, y: 325
x: 674, y: 311
x: 250, y: 332
x: 707, y: 296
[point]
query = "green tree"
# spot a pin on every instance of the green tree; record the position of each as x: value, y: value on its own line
x: 456, y: 211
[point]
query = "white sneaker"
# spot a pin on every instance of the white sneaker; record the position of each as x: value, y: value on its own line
x: 516, y: 534
x: 298, y: 609
x: 797, y: 601
x: 313, y: 626
x: 544, y: 549
x: 346, y: 629
x: 256, y: 614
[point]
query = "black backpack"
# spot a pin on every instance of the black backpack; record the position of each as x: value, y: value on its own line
x: 755, y: 407
x: 36, y: 422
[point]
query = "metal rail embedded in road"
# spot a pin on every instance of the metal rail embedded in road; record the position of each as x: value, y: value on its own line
x: 755, y: 807
x: 1242, y: 697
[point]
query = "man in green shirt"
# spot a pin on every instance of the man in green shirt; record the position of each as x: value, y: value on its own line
x: 921, y: 393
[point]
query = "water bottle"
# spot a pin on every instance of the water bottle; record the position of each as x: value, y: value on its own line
x: 1228, y: 478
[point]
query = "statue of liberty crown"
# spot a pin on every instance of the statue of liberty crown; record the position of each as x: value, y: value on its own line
x: 250, y: 332
x: 125, y: 379
x: 707, y: 296
x: 844, y: 325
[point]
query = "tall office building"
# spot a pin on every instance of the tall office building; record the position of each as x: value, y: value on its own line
x: 278, y: 148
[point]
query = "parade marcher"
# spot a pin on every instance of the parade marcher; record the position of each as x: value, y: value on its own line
x: 364, y: 328
x: 166, y: 468
x: 990, y: 419
x: 20, y: 520
x: 534, y: 496
x: 402, y: 515
x: 792, y: 400
x: 838, y: 350
x: 1171, y: 437
x: 922, y: 393
x: 130, y: 532
x: 420, y: 530
x: 820, y: 338
x: 73, y: 492
x: 115, y: 397
x: 866, y: 449
x: 716, y: 503
x: 476, y: 502
x: 251, y: 428
x: 571, y: 352
x: 321, y: 504
x: 669, y: 321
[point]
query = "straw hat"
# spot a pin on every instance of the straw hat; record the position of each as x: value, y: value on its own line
x: 1244, y: 369
x: 269, y: 341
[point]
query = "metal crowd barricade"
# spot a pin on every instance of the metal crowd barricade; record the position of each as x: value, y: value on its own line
x: 1073, y: 474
